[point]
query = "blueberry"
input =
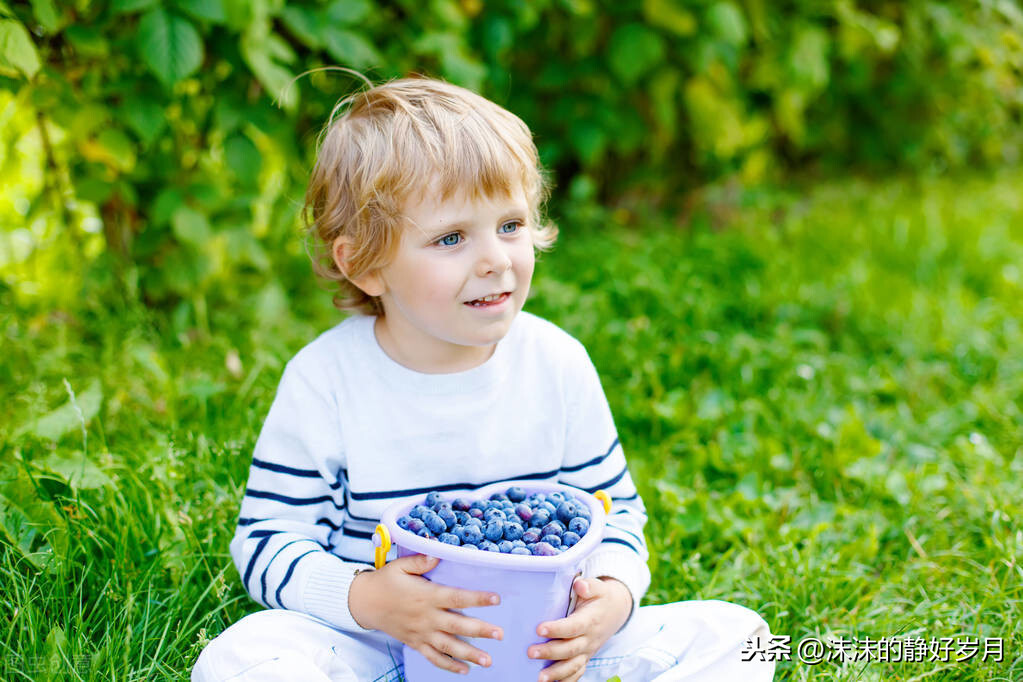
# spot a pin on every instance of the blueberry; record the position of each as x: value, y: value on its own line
x: 513, y: 531
x: 473, y: 535
x: 494, y: 514
x: 553, y: 528
x: 476, y: 513
x: 418, y: 511
x: 524, y: 512
x: 515, y: 493
x: 461, y: 517
x: 567, y: 511
x: 531, y: 535
x: 521, y: 550
x: 448, y: 517
x: 473, y: 521
x: 557, y: 497
x: 415, y: 525
x: 432, y: 498
x: 552, y: 540
x: 569, y: 539
x: 435, y: 523
x: 518, y: 543
x: 505, y: 546
x: 460, y: 504
x: 499, y: 497
x: 425, y: 533
x: 549, y: 507
x: 488, y: 546
x: 579, y: 525
x: 459, y: 532
x: 544, y: 549
x: 477, y: 504
x: 494, y: 530
x: 535, y: 499
x: 403, y: 522
x: 541, y: 517
x: 449, y: 539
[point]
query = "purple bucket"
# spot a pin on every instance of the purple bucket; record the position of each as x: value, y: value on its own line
x: 533, y: 589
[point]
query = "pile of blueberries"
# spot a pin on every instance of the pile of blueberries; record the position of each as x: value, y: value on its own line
x: 540, y: 524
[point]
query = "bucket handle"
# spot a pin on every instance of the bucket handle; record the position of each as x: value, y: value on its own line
x: 382, y: 542
x: 605, y: 498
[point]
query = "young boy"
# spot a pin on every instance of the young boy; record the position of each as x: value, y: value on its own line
x: 427, y: 199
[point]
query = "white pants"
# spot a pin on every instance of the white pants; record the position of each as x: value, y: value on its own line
x: 680, y: 642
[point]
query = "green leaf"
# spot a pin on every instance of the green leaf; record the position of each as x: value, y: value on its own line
x: 17, y: 51
x: 144, y: 116
x: 727, y: 22
x: 206, y: 10
x: 87, y: 40
x: 670, y: 15
x: 305, y: 24
x: 190, y: 226
x: 46, y: 14
x: 119, y: 150
x: 76, y: 468
x: 244, y: 159
x: 351, y: 48
x: 261, y: 52
x: 126, y: 6
x: 347, y: 11
x: 634, y: 50
x: 170, y: 45
x: 77, y: 412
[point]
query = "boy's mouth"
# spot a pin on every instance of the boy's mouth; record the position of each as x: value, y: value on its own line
x: 492, y: 299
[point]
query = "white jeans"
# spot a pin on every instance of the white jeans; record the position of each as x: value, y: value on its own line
x: 680, y: 642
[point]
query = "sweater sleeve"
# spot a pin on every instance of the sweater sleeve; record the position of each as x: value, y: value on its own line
x: 293, y: 501
x: 594, y: 461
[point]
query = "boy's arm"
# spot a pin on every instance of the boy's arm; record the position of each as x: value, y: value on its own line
x: 293, y: 502
x: 594, y: 460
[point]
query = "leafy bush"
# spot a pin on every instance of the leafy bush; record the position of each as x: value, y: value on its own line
x: 176, y: 127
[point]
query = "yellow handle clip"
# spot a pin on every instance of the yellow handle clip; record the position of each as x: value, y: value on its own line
x: 382, y: 542
x: 605, y: 498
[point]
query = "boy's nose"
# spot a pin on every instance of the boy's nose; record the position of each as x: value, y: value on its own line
x: 493, y: 259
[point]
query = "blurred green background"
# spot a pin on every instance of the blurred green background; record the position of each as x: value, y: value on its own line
x: 792, y: 241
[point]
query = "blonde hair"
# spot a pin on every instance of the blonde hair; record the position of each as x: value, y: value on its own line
x: 393, y: 141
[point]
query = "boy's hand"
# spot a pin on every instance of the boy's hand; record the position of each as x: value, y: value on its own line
x: 396, y: 599
x: 604, y: 605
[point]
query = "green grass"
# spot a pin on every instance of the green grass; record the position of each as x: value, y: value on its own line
x: 820, y: 394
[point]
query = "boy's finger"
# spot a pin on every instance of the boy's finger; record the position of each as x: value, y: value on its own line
x: 416, y: 564
x: 460, y: 650
x: 442, y: 661
x: 563, y: 628
x: 454, y: 598
x: 471, y: 627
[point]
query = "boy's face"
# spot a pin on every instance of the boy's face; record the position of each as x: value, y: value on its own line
x: 432, y: 291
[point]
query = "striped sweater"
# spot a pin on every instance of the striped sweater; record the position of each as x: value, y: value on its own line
x: 351, y: 431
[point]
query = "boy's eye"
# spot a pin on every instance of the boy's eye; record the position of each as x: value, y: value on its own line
x: 508, y: 228
x: 449, y: 239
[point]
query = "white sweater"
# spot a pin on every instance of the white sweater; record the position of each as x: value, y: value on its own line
x: 351, y: 431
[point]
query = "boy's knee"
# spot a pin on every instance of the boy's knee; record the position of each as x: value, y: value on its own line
x: 256, y: 638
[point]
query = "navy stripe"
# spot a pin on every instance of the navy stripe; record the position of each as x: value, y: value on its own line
x: 287, y: 576
x: 387, y: 495
x: 362, y: 535
x: 608, y: 484
x: 595, y: 460
x: 352, y: 559
x: 281, y: 469
x: 628, y: 532
x: 606, y: 541
x: 262, y: 579
x: 262, y: 533
x: 319, y: 522
x: 634, y: 496
x: 293, y: 501
x: 252, y: 559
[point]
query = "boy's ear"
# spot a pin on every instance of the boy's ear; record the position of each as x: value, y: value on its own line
x: 372, y: 284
